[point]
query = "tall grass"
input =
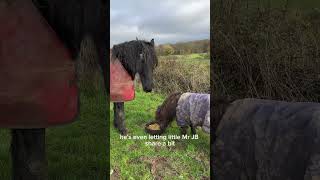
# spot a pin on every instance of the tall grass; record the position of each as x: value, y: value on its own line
x: 88, y: 71
x: 265, y: 52
x: 184, y: 73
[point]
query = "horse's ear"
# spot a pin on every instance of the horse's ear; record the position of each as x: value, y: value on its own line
x: 152, y: 42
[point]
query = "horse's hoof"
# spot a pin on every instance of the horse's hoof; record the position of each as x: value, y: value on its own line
x: 124, y: 132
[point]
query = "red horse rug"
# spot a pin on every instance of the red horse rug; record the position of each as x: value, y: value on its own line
x: 121, y: 83
x: 37, y: 75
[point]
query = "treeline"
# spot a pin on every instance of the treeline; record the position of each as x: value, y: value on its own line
x: 200, y: 46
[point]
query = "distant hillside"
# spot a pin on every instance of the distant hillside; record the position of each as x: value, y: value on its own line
x: 199, y: 46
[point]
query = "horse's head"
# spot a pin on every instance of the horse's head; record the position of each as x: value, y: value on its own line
x: 148, y: 61
x: 138, y: 57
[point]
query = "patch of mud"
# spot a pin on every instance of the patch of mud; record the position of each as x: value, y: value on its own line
x: 205, y: 178
x: 133, y: 147
x: 159, y: 167
x: 115, y: 174
x: 179, y: 146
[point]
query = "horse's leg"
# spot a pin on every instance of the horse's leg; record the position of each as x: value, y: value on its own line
x: 115, y: 116
x: 193, y: 129
x: 183, y: 130
x: 119, y: 117
x: 28, y: 154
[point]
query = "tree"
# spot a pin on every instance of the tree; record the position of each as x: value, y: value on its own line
x: 168, y: 49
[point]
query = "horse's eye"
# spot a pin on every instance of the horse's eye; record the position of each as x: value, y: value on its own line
x: 142, y: 59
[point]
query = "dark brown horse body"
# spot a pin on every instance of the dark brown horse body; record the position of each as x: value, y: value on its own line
x: 167, y: 112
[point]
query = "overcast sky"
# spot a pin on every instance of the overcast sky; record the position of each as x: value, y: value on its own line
x: 167, y: 21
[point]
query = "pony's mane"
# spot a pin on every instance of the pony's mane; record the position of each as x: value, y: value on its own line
x: 128, y: 53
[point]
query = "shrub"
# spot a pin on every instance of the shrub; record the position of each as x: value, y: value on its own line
x: 177, y: 75
x: 265, y: 52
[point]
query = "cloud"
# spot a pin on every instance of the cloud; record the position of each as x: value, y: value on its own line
x: 166, y: 21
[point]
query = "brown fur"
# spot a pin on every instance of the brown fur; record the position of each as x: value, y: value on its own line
x: 166, y: 112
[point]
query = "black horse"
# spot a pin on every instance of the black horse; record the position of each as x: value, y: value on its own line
x: 137, y: 57
x: 73, y: 21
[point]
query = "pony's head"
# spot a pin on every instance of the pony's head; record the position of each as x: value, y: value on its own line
x: 138, y: 57
x: 166, y: 112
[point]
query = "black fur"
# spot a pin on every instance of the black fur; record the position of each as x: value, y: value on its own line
x: 74, y: 20
x: 137, y: 57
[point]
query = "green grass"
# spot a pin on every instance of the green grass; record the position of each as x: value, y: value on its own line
x: 75, y: 151
x: 188, y: 58
x: 196, y: 56
x: 132, y: 159
x: 195, y: 59
x: 5, y: 164
x: 78, y: 150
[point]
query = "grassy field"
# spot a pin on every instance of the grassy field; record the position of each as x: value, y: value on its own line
x: 132, y: 159
x: 188, y: 58
x: 76, y: 151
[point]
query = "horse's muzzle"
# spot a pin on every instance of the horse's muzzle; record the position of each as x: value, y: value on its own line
x: 148, y: 90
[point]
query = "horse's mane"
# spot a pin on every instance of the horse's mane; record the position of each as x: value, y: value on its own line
x: 74, y: 20
x: 128, y: 53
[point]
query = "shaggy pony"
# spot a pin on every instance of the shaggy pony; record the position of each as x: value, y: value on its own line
x: 174, y: 107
